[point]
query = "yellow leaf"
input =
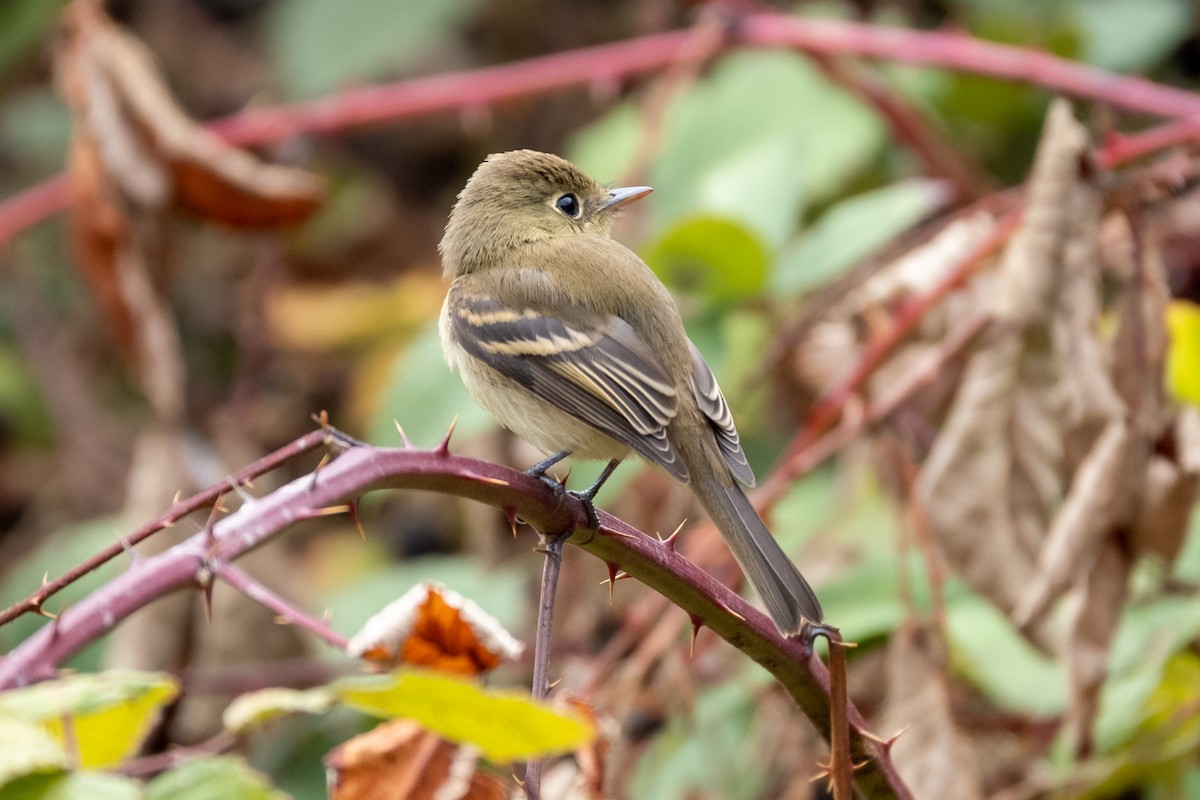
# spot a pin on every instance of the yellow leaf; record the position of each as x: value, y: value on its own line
x: 255, y: 708
x: 26, y: 748
x: 1183, y: 359
x: 504, y: 726
x: 107, y: 714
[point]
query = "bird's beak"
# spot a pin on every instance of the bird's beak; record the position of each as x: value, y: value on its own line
x: 623, y: 197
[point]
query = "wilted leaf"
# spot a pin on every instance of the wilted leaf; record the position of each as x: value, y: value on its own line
x: 431, y: 626
x: 995, y: 474
x: 1104, y: 498
x: 933, y: 756
x: 151, y: 150
x: 26, y: 747
x: 504, y: 726
x: 109, y: 713
x: 403, y: 761
x: 253, y: 709
x: 214, y: 778
x: 1171, y: 490
x: 1093, y: 629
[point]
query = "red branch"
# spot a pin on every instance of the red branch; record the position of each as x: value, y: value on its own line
x: 363, y: 468
x: 609, y: 63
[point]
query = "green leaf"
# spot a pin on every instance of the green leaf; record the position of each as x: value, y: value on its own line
x: 26, y: 748
x: 989, y: 652
x: 217, y: 778
x: 714, y: 753
x: 425, y: 397
x: 854, y: 229
x: 253, y: 709
x: 755, y: 140
x: 108, y: 713
x: 505, y: 726
x: 24, y: 23
x: 72, y: 786
x: 1130, y: 35
x: 37, y: 125
x: 713, y: 257
x: 59, y: 552
x: 319, y: 47
x: 1149, y: 636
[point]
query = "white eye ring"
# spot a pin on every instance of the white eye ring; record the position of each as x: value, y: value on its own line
x: 568, y: 204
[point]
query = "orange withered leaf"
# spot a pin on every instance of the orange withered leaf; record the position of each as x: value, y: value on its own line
x: 152, y: 151
x: 434, y: 627
x: 400, y: 760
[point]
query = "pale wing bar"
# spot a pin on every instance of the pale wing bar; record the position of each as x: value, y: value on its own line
x: 601, y: 373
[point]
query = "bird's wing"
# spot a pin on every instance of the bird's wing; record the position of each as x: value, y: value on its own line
x: 712, y: 403
x: 594, y: 367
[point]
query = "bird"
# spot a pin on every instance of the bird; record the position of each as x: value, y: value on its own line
x: 568, y: 339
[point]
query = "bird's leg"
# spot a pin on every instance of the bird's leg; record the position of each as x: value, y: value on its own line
x: 538, y: 470
x: 588, y: 494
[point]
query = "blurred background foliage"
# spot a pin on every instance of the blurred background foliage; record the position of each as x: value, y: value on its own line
x: 770, y: 182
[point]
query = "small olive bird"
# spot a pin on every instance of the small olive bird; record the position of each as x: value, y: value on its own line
x: 568, y: 339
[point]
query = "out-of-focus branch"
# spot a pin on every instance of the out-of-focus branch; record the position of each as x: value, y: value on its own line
x: 206, y: 498
x: 471, y: 89
x: 363, y: 468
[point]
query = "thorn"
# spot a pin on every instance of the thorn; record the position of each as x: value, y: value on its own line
x: 134, y: 555
x: 519, y: 781
x: 511, y: 514
x: 670, y: 541
x: 563, y: 480
x: 554, y: 683
x: 443, y: 449
x: 42, y: 612
x: 45, y: 578
x: 357, y: 519
x: 887, y: 743
x: 327, y: 511
x: 178, y: 496
x: 493, y: 481
x: 56, y: 622
x: 611, y: 580
x: 697, y: 624
x: 237, y: 487
x: 323, y: 419
x: 205, y: 578
x: 611, y: 532
x: 317, y: 471
x: 327, y: 614
x: 408, y: 445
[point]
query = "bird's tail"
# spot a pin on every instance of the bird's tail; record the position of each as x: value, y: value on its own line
x: 788, y: 597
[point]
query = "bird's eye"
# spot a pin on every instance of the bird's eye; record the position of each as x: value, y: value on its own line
x: 569, y: 205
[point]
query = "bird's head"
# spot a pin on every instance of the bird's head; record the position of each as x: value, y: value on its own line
x: 524, y: 196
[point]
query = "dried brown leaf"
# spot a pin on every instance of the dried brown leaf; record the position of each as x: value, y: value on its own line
x: 1103, y: 592
x: 400, y: 760
x: 1104, y: 499
x: 1172, y: 490
x: 996, y: 471
x: 933, y: 756
x: 152, y: 151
